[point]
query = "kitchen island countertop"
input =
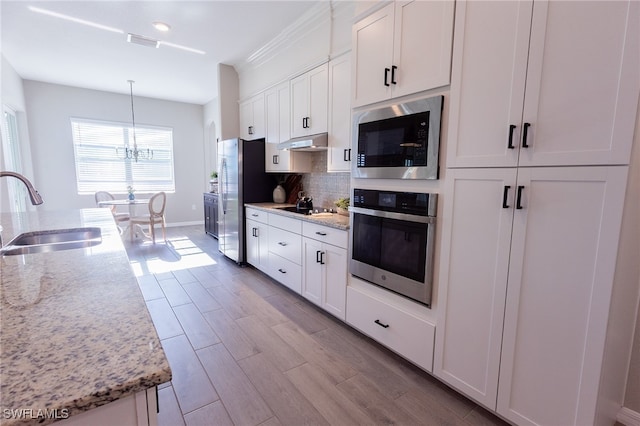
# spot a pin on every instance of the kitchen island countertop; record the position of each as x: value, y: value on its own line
x: 75, y: 330
x: 334, y: 220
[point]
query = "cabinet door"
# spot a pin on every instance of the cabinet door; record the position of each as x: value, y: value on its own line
x: 257, y: 244
x: 339, y: 156
x: 487, y: 84
x: 318, y: 100
x: 299, y: 87
x: 252, y: 118
x: 473, y: 276
x: 246, y: 119
x: 423, y: 33
x: 258, y: 125
x: 563, y: 255
x: 372, y: 42
x: 313, y: 271
x: 277, y: 105
x: 334, y: 296
x: 582, y: 83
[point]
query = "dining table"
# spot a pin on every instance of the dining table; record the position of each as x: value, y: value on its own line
x: 126, y: 202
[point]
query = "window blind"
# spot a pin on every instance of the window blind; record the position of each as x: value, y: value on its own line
x: 99, y: 148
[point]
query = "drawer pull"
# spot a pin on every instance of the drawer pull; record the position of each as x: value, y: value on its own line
x: 254, y: 215
x: 282, y: 271
x: 282, y: 244
x: 324, y: 234
x: 381, y: 324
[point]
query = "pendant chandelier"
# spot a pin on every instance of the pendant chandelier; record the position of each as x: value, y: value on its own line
x: 134, y: 153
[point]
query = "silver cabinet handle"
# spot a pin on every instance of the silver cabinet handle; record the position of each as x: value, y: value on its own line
x: 282, y: 244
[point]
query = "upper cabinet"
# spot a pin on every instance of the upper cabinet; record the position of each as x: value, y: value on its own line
x: 309, y: 102
x: 401, y: 49
x: 278, y: 119
x: 252, y: 118
x: 339, y: 157
x: 532, y: 93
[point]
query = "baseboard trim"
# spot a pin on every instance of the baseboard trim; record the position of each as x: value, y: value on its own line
x: 628, y: 417
x: 197, y: 222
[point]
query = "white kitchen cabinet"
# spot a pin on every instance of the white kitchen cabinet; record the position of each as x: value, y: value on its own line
x: 309, y: 102
x: 325, y: 267
x: 285, y: 251
x: 398, y: 329
x: 567, y: 72
x: 139, y: 409
x: 339, y: 156
x: 278, y: 129
x: 257, y: 244
x: 252, y: 118
x: 401, y: 49
x: 526, y: 277
x: 257, y: 238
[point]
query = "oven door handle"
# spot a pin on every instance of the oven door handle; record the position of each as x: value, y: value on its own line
x: 394, y: 215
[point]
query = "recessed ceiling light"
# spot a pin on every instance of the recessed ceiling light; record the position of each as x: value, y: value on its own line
x: 161, y: 26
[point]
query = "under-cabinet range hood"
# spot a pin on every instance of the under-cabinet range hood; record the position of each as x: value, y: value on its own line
x: 306, y: 143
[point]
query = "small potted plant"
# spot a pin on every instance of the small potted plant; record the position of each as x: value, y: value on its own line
x: 213, y: 181
x: 130, y: 190
x: 343, y: 206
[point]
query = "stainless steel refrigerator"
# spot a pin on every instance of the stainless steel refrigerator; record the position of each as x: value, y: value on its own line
x: 242, y: 179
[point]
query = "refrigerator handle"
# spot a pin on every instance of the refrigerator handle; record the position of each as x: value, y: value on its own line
x: 225, y: 186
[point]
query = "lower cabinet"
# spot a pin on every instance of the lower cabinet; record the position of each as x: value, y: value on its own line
x: 308, y: 258
x: 526, y: 278
x: 140, y: 409
x: 399, y: 330
x: 211, y: 214
x: 257, y: 244
x: 285, y: 251
x: 325, y: 268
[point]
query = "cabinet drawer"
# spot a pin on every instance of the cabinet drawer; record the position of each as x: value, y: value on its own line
x: 285, y: 271
x: 257, y: 215
x: 404, y: 333
x: 283, y: 222
x: 326, y: 234
x: 286, y: 244
x: 210, y: 198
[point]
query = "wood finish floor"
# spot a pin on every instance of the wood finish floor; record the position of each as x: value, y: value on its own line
x: 245, y: 350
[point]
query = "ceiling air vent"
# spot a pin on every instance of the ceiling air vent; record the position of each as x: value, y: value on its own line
x: 142, y: 40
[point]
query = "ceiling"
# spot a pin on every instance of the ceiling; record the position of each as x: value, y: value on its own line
x: 70, y: 49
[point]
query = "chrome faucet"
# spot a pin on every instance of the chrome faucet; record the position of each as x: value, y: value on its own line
x: 36, y: 199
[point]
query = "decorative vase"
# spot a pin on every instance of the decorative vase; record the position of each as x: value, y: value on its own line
x: 279, y: 194
x: 131, y: 196
x: 343, y: 212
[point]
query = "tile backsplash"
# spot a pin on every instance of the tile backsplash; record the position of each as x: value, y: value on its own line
x: 325, y: 188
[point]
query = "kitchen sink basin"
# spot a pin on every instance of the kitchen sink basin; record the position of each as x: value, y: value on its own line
x: 52, y: 240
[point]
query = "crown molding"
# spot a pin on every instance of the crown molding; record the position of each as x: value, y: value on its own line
x: 316, y: 17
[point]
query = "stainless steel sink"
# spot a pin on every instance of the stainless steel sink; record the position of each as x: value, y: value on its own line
x: 52, y: 240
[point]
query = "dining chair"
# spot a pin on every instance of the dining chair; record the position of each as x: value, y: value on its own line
x: 157, y: 204
x: 107, y: 196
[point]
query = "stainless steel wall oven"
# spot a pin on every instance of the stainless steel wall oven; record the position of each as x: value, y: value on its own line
x: 400, y: 141
x: 393, y: 237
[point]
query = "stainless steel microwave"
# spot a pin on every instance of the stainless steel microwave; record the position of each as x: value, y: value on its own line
x: 399, y: 141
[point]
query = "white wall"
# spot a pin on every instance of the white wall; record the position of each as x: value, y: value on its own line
x: 210, y: 116
x: 50, y: 107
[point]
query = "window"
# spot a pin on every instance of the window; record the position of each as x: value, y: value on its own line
x: 99, y: 149
x: 11, y: 147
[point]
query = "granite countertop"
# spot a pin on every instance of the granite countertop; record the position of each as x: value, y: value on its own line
x: 75, y: 330
x: 335, y: 220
